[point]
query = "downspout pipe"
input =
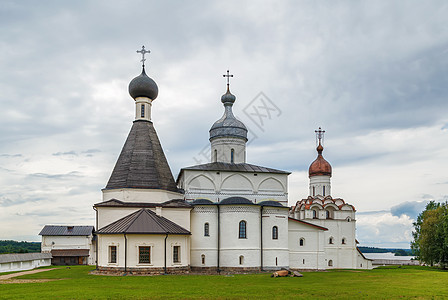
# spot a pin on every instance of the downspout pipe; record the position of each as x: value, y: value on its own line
x: 219, y: 238
x: 125, y: 253
x: 164, y: 268
x: 261, y: 238
x: 96, y: 239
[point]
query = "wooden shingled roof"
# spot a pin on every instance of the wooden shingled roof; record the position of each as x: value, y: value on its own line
x: 143, y: 221
x: 142, y: 163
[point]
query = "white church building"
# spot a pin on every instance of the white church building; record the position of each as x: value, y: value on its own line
x: 223, y: 216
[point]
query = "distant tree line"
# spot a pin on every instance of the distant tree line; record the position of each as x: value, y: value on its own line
x: 398, y: 252
x: 19, y: 247
x: 430, y: 243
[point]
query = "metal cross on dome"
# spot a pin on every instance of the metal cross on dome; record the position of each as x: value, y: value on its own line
x: 228, y: 77
x: 143, y: 52
x: 319, y: 135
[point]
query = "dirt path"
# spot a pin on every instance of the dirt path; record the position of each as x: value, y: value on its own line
x: 9, y: 276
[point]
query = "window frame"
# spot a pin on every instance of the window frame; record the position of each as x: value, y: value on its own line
x: 206, y: 229
x: 242, y: 229
x: 142, y: 254
x: 274, y: 232
x: 176, y: 252
x: 113, y: 254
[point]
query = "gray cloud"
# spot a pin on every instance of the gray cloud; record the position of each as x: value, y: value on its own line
x: 410, y: 208
x: 370, y: 73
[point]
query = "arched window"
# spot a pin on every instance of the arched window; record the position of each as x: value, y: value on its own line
x: 344, y: 241
x: 276, y: 261
x: 216, y: 156
x: 327, y: 214
x: 232, y: 156
x: 206, y: 229
x: 330, y: 263
x: 203, y: 259
x: 314, y: 214
x: 314, y: 191
x: 302, y: 242
x: 242, y: 231
x: 142, y: 113
x: 275, y: 233
x: 330, y: 240
x: 303, y: 261
x: 241, y: 260
x: 323, y: 190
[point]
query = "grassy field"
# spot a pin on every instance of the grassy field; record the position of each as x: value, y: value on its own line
x: 381, y: 283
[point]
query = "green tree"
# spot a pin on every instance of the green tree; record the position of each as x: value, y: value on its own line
x: 430, y: 243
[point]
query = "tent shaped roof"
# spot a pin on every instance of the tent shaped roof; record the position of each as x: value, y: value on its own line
x: 67, y: 230
x: 142, y: 163
x: 143, y: 221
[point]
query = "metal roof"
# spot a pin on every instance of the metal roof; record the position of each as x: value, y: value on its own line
x: 228, y: 125
x: 143, y: 221
x: 13, y: 257
x: 175, y: 203
x: 236, y: 200
x: 308, y: 224
x: 66, y: 230
x: 244, y: 167
x: 69, y: 252
x: 143, y: 86
x: 142, y: 163
x: 271, y: 203
x: 202, y: 202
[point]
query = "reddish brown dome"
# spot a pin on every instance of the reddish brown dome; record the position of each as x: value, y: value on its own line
x: 320, y: 166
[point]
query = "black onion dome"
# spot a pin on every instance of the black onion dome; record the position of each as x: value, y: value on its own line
x: 143, y: 86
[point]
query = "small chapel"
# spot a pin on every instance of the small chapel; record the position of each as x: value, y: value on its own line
x: 227, y: 215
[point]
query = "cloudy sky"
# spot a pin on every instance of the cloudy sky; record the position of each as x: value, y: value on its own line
x: 373, y: 74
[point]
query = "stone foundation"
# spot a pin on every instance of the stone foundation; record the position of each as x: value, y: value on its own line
x: 140, y: 271
x: 120, y: 271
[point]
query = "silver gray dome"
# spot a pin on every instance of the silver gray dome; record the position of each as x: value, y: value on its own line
x: 228, y: 125
x: 143, y: 86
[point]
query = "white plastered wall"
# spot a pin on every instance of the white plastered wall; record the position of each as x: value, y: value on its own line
x: 216, y: 186
x: 224, y: 146
x: 140, y: 195
x: 232, y: 247
x: 157, y: 244
x: 201, y: 244
x: 275, y: 251
x: 312, y: 254
x: 318, y: 183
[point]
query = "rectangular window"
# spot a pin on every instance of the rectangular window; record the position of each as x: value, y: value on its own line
x: 144, y: 255
x: 113, y: 254
x: 143, y: 111
x: 176, y: 254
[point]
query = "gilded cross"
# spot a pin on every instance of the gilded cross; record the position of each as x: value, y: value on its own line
x: 143, y: 52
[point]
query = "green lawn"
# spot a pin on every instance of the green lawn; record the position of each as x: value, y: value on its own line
x: 381, y: 283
